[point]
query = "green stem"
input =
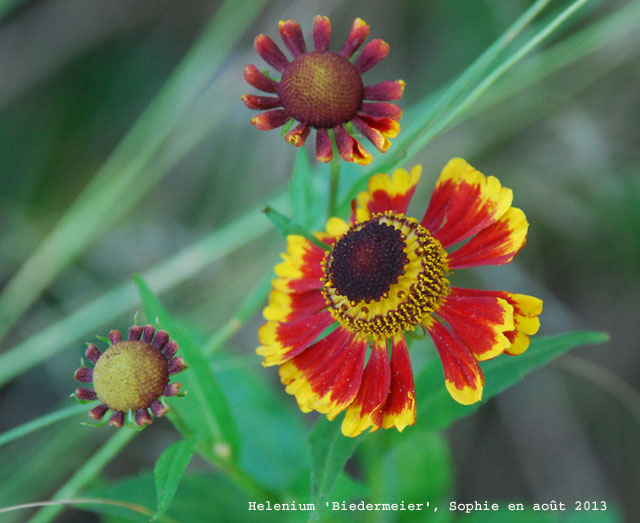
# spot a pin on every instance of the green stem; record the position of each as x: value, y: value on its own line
x: 85, y: 474
x: 41, y: 422
x: 334, y: 181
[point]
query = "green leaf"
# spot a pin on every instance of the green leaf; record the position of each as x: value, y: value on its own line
x: 436, y: 408
x: 330, y: 450
x: 168, y: 472
x: 306, y: 207
x: 286, y: 226
x: 205, y: 410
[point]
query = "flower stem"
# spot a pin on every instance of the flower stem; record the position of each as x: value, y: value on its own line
x: 39, y: 423
x: 334, y: 181
x: 92, y: 467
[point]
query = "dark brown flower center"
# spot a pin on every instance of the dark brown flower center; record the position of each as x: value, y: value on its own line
x: 130, y: 375
x: 367, y: 261
x: 321, y: 89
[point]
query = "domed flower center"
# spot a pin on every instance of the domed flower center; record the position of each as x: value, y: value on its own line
x: 366, y: 261
x: 385, y: 275
x: 130, y: 375
x: 321, y: 89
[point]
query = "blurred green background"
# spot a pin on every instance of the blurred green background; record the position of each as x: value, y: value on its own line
x: 560, y: 129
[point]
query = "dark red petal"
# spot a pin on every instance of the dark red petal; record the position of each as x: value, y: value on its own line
x: 261, y: 103
x: 254, y: 77
x: 158, y: 409
x: 349, y: 148
x: 270, y: 52
x: 324, y: 152
x: 115, y: 337
x: 382, y: 109
x: 117, y: 420
x: 375, y: 51
x: 321, y: 33
x: 86, y: 394
x: 148, y: 332
x: 170, y: 350
x: 172, y: 389
x: 84, y: 375
x: 135, y: 332
x: 292, y: 37
x: 92, y: 353
x: 357, y: 35
x: 143, y: 417
x: 97, y: 413
x: 387, y: 90
x: 271, y: 119
x: 160, y: 339
x: 400, y: 408
x: 177, y: 365
x: 373, y: 135
x: 298, y: 135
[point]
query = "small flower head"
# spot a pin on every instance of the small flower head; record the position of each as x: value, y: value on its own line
x: 131, y: 376
x: 324, y: 90
x: 334, y: 315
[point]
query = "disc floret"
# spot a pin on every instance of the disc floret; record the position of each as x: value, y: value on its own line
x: 132, y: 376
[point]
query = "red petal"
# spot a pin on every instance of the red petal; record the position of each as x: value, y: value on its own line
x: 97, y: 413
x: 374, y: 52
x: 324, y: 151
x: 371, y: 128
x: 349, y: 148
x: 84, y: 375
x: 400, y: 408
x: 117, y: 419
x: 261, y: 103
x: 270, y: 52
x: 86, y: 394
x: 388, y: 194
x: 366, y: 409
x: 382, y: 109
x: 160, y: 339
x: 495, y: 245
x: 271, y: 119
x: 479, y: 322
x: 254, y: 77
x: 115, y: 336
x: 357, y: 35
x: 321, y: 33
x: 135, y: 332
x: 288, y: 306
x: 92, y: 353
x: 298, y: 135
x: 148, y: 332
x: 387, y: 90
x: 292, y: 37
x: 464, y: 202
x: 463, y: 377
x: 143, y: 417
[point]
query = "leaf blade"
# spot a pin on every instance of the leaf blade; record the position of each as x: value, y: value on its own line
x: 168, y: 472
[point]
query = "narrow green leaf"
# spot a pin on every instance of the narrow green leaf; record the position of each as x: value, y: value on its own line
x: 205, y: 410
x: 286, y: 226
x: 305, y: 204
x: 330, y: 451
x: 436, y: 408
x: 168, y: 472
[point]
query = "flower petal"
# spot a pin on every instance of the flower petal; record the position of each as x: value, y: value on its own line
x: 160, y: 339
x: 357, y: 35
x: 462, y: 374
x: 143, y: 417
x: 261, y: 102
x: 135, y: 332
x: 377, y: 130
x: 172, y: 389
x: 324, y: 152
x: 526, y: 310
x: 464, y: 202
x: 388, y: 194
x: 298, y: 135
x: 115, y: 336
x: 285, y: 307
x: 291, y: 34
x: 258, y: 80
x: 303, y: 259
x: 93, y: 353
x: 84, y: 375
x: 349, y: 148
x: 495, y: 245
x: 158, y: 409
x: 374, y: 52
x: 270, y: 52
x: 321, y: 32
x: 387, y: 90
x: 117, y: 419
x: 366, y: 409
x: 383, y: 109
x: 270, y: 119
x: 400, y: 408
x: 479, y: 322
x: 281, y: 341
x: 97, y: 413
x: 86, y: 394
x: 326, y: 377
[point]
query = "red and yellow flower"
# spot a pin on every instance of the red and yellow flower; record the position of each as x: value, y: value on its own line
x: 324, y: 90
x: 386, y: 273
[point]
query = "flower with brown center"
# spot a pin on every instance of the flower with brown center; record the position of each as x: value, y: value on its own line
x: 324, y: 90
x: 337, y: 318
x: 131, y: 376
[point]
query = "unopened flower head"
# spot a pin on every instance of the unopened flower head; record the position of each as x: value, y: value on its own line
x: 324, y: 90
x: 334, y: 314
